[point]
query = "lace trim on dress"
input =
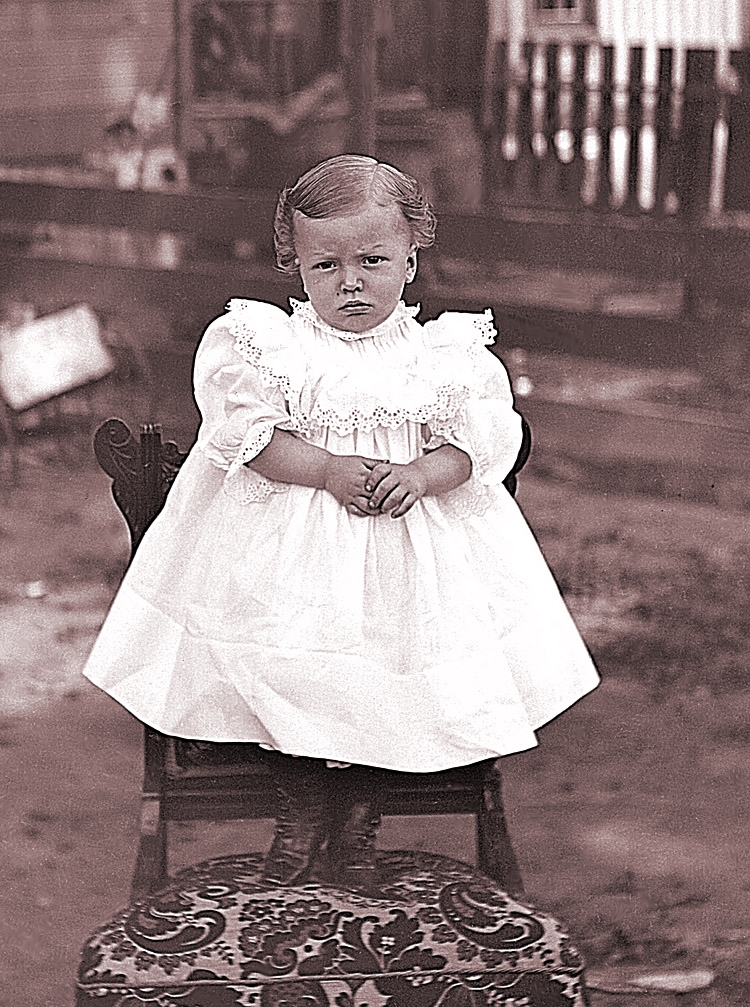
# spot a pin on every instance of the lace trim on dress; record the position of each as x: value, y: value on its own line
x: 241, y: 483
x: 472, y: 497
x: 444, y: 405
x: 475, y: 331
x: 244, y: 329
x: 280, y: 364
x: 277, y: 365
x: 485, y: 325
x: 253, y: 443
x: 247, y: 487
x: 305, y: 311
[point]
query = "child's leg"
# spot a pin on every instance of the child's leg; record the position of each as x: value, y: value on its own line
x: 303, y: 819
x: 351, y: 847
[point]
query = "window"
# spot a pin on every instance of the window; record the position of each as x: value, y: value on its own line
x: 561, y: 11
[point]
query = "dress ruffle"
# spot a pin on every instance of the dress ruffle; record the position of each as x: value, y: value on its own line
x: 394, y: 379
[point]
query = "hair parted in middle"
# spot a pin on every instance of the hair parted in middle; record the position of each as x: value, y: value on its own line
x: 342, y: 185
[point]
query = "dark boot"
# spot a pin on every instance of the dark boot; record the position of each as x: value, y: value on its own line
x: 351, y: 847
x: 303, y: 818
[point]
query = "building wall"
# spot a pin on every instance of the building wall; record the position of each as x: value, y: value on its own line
x: 692, y: 23
x: 71, y: 67
x: 689, y: 23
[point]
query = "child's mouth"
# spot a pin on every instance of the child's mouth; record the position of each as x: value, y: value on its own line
x: 355, y: 307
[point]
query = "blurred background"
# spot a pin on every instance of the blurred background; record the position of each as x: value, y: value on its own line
x: 588, y: 164
x: 587, y: 157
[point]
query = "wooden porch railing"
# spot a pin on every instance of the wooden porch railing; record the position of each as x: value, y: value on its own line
x: 627, y: 161
x: 642, y: 130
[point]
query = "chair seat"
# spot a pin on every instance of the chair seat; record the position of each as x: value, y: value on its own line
x: 442, y: 935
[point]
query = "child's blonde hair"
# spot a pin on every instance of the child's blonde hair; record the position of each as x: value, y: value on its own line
x: 342, y: 185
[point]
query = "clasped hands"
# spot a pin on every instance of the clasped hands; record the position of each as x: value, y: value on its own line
x: 368, y: 486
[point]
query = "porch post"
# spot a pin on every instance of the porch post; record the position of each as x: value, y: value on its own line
x: 360, y: 68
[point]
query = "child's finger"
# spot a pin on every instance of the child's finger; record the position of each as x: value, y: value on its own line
x: 377, y: 475
x: 404, y: 506
x: 382, y: 489
x: 358, y: 509
x: 393, y: 498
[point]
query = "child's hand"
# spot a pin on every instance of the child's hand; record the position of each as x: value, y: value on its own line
x: 345, y: 479
x: 394, y: 488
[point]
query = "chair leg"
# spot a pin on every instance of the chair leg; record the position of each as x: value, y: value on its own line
x: 7, y: 422
x: 151, y: 862
x: 495, y: 854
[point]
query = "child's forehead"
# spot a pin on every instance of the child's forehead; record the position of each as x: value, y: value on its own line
x: 370, y: 221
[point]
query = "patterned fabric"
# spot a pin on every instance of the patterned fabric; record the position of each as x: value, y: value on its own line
x: 441, y: 936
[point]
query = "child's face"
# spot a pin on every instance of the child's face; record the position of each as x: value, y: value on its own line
x: 354, y: 267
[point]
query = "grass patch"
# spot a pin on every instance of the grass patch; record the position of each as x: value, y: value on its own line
x: 671, y: 617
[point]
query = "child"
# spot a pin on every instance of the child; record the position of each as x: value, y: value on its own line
x: 339, y: 573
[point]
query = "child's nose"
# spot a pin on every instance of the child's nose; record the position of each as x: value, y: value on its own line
x: 351, y: 280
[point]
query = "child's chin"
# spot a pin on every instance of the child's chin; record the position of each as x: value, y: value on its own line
x: 358, y: 321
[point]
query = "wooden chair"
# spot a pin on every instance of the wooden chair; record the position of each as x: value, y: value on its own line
x: 194, y: 780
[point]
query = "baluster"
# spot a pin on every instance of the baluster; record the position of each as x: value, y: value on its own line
x: 490, y: 75
x: 737, y: 185
x: 676, y: 103
x: 727, y: 83
x: 515, y: 77
x: 591, y: 147
x: 546, y: 169
x: 566, y: 69
x: 606, y: 119
x: 539, y: 101
x: 510, y: 146
x: 526, y: 168
x: 679, y: 70
x: 573, y: 175
x: 664, y: 145
x: 647, y: 138
x: 619, y: 142
x: 634, y: 125
x: 507, y: 141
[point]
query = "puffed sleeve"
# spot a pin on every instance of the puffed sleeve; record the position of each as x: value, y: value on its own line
x: 246, y: 376
x: 484, y: 423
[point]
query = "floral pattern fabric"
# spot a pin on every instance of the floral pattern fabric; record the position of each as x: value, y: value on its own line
x: 442, y: 935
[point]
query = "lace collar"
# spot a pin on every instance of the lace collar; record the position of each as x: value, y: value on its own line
x: 305, y: 311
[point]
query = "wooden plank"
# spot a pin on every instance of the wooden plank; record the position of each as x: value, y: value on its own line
x: 577, y: 240
x: 222, y: 800
x: 580, y: 239
x: 226, y: 214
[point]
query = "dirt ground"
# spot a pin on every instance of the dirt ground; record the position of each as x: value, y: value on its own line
x: 630, y: 819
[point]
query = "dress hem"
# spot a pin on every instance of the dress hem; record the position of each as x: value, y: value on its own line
x: 328, y: 754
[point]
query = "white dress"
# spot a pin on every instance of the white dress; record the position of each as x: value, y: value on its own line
x: 262, y: 611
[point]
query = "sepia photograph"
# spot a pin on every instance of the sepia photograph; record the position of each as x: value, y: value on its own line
x: 374, y: 503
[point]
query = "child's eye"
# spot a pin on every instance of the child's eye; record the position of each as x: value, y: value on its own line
x: 373, y: 260
x: 325, y: 265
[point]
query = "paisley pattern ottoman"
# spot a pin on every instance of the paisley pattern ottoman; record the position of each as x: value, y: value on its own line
x: 442, y: 935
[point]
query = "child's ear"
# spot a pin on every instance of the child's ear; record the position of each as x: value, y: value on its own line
x: 411, y: 264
